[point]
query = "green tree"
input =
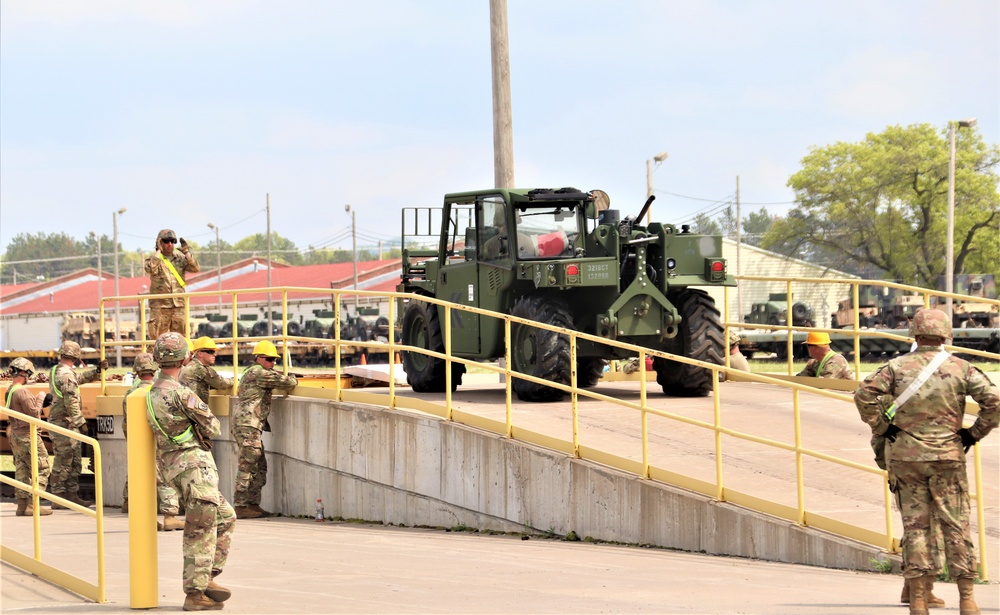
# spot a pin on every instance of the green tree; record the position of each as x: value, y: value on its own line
x: 881, y: 204
x: 281, y: 249
x: 705, y: 225
x: 755, y: 226
x: 43, y: 248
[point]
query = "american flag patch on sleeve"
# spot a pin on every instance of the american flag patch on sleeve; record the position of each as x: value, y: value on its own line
x: 193, y: 402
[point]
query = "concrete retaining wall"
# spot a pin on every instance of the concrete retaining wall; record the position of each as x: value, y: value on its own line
x: 404, y: 468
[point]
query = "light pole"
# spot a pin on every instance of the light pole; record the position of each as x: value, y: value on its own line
x: 659, y: 158
x: 354, y: 250
x: 949, y: 274
x: 118, y: 327
x: 218, y: 260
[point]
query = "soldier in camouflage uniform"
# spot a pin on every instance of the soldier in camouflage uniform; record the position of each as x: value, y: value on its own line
x: 166, y: 269
x: 248, y: 421
x: 736, y: 358
x: 21, y: 400
x: 199, y: 375
x: 183, y: 428
x: 145, y: 369
x: 823, y: 362
x: 925, y: 450
x: 66, y: 412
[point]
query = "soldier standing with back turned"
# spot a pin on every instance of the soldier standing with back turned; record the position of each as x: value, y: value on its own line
x: 67, y: 413
x: 183, y: 428
x: 21, y: 400
x: 917, y: 403
x: 166, y: 269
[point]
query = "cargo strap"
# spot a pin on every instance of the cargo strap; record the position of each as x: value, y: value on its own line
x: 819, y: 368
x: 170, y: 266
x: 10, y: 393
x: 922, y: 377
x: 52, y: 381
x: 181, y: 439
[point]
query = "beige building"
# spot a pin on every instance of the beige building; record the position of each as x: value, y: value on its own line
x: 754, y: 261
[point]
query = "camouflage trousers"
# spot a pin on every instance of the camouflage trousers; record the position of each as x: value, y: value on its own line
x: 20, y: 447
x: 166, y: 496
x: 208, y: 525
x: 934, y: 492
x: 66, y: 464
x: 251, y: 470
x: 164, y: 319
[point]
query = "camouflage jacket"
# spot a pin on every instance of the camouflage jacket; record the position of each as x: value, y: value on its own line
x: 21, y: 399
x: 256, y: 388
x: 833, y: 365
x: 162, y: 281
x: 929, y: 421
x: 181, y: 423
x: 64, y: 385
x: 135, y: 385
x: 200, y: 378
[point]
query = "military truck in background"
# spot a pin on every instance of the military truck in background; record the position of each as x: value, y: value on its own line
x: 971, y: 313
x: 774, y: 311
x: 563, y: 258
x: 870, y: 309
x: 84, y: 328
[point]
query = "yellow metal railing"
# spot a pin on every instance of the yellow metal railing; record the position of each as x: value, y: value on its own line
x: 798, y: 514
x: 34, y: 563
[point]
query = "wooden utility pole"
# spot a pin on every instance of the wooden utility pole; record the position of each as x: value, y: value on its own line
x: 503, y: 137
x: 739, y: 249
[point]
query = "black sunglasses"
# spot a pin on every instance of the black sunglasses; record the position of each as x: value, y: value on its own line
x: 169, y: 241
x: 207, y: 351
x: 270, y: 359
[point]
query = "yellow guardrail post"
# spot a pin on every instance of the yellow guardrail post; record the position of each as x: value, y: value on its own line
x: 980, y: 513
x: 142, y: 546
x: 336, y: 344
x: 35, y: 503
x: 717, y: 419
x: 392, y: 354
x: 799, y: 487
x: 789, y: 343
x: 573, y: 395
x: 447, y: 361
x: 508, y: 380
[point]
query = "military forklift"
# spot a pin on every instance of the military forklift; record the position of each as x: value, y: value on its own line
x: 564, y: 258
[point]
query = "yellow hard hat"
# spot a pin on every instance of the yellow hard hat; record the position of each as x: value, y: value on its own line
x: 818, y: 338
x: 204, y: 343
x: 265, y: 348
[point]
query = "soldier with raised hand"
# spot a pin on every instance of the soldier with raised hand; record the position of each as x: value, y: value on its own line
x: 199, y: 374
x: 145, y: 368
x: 67, y: 413
x: 21, y: 400
x: 167, y: 268
x: 248, y: 421
x: 917, y: 402
x: 183, y: 428
x: 824, y: 362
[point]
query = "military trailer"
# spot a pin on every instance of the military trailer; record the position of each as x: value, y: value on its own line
x: 564, y: 258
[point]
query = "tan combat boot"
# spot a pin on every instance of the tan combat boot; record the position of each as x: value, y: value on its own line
x: 246, y: 512
x: 42, y: 511
x: 57, y: 505
x: 265, y: 513
x: 933, y: 602
x: 966, y: 601
x: 22, y: 506
x: 217, y: 592
x: 170, y: 523
x: 124, y: 506
x: 74, y: 496
x: 198, y: 601
x: 918, y: 600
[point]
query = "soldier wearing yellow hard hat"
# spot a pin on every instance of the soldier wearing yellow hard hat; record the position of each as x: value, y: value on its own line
x: 199, y: 375
x: 249, y: 420
x: 823, y: 362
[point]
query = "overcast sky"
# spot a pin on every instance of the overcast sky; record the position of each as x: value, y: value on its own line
x: 190, y: 112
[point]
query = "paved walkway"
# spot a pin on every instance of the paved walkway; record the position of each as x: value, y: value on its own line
x: 283, y: 565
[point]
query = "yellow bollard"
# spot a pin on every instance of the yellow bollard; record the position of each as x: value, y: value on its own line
x: 142, y: 504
